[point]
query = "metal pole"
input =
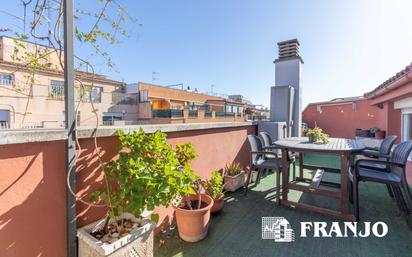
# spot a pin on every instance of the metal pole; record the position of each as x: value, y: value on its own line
x: 70, y: 125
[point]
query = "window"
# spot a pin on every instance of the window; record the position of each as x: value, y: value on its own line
x: 6, y: 79
x: 93, y: 94
x: 229, y: 108
x: 56, y: 89
x: 143, y: 96
x: 407, y: 124
x: 4, y: 119
x: 110, y: 117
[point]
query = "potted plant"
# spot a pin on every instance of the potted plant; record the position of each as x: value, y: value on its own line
x: 317, y: 136
x: 193, y: 210
x: 147, y: 173
x: 378, y: 133
x: 214, y: 188
x: 193, y: 216
x: 234, y: 177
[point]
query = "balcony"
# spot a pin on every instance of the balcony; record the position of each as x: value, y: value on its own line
x: 171, y: 113
x: 225, y: 114
x: 193, y: 116
x: 6, y: 82
x: 4, y: 125
x: 56, y: 92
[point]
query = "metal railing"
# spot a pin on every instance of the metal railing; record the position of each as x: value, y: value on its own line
x: 7, y: 82
x: 225, y: 114
x: 56, y: 92
x: 108, y: 122
x: 32, y: 125
x: 4, y: 125
x: 193, y: 113
x: 170, y: 113
x: 208, y: 114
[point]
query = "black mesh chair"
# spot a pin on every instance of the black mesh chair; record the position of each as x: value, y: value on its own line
x: 259, y: 162
x: 383, y: 153
x: 268, y: 145
x: 384, y: 150
x: 393, y: 175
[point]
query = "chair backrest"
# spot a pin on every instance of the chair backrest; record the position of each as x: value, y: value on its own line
x: 255, y: 146
x: 266, y: 138
x: 400, y: 155
x: 387, y: 144
x: 401, y: 152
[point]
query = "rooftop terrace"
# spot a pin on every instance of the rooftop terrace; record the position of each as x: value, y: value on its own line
x: 236, y: 231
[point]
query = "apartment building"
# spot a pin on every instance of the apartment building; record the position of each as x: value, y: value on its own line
x: 36, y: 100
x: 166, y: 104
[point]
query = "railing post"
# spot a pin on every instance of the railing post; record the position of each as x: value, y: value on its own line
x: 70, y: 125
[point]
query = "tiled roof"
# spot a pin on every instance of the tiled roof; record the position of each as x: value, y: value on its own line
x: 340, y: 100
x: 407, y: 69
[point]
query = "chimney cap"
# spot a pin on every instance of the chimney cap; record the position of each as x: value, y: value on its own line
x: 290, y: 41
x: 288, y: 49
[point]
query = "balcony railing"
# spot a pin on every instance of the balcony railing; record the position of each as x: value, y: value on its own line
x: 6, y: 82
x: 56, y: 92
x: 208, y: 114
x: 32, y: 125
x: 193, y: 113
x: 4, y: 125
x: 171, y: 113
x: 225, y: 114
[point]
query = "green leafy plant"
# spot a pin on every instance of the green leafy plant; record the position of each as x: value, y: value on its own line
x: 149, y: 172
x: 374, y: 130
x: 233, y: 169
x: 214, y: 186
x: 316, y: 135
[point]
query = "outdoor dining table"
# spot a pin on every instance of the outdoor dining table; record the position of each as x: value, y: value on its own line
x: 344, y: 148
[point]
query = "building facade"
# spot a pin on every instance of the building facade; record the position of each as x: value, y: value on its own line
x: 162, y: 104
x: 387, y: 107
x: 31, y: 99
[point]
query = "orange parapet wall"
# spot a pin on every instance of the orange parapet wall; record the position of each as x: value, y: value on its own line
x: 33, y: 184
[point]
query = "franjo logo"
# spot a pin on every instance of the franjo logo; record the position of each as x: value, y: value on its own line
x: 321, y: 229
x: 279, y: 229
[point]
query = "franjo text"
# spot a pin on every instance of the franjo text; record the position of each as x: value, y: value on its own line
x: 349, y: 229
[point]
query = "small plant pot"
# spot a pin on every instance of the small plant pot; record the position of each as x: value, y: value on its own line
x: 311, y: 139
x: 380, y: 134
x: 233, y: 183
x: 139, y: 241
x: 193, y: 225
x: 217, y: 205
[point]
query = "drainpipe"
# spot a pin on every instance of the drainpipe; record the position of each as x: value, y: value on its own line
x: 70, y: 126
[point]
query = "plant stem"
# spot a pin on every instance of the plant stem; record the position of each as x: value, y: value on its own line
x: 106, y: 225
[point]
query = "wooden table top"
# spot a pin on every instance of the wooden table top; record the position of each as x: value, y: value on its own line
x: 334, y: 145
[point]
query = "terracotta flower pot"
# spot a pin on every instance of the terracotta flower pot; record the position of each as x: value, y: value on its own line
x: 217, y: 205
x: 194, y: 224
x: 380, y: 134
